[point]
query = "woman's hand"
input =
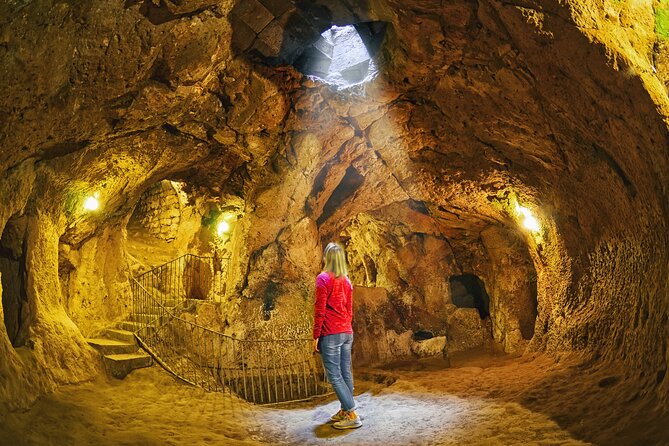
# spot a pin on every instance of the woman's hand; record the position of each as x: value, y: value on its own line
x: 316, y: 346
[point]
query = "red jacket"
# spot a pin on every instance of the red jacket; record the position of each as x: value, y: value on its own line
x: 333, y: 309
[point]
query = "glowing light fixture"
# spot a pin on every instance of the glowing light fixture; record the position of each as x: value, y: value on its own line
x: 92, y: 203
x: 222, y: 228
x: 529, y: 221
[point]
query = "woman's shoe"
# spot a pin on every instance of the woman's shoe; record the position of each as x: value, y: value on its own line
x: 338, y: 416
x: 351, y: 421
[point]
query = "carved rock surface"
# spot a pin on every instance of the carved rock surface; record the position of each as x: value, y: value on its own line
x: 482, y: 108
x: 429, y: 347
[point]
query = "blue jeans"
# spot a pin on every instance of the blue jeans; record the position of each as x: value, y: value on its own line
x: 336, y: 354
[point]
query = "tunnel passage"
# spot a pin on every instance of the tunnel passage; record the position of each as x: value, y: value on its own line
x: 13, y: 270
x: 468, y: 291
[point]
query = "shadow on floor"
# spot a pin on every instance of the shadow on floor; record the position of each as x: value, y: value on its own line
x: 326, y: 430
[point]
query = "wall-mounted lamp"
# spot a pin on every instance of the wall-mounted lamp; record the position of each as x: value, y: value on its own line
x: 224, y: 224
x: 92, y: 203
x: 529, y: 221
x: 222, y: 228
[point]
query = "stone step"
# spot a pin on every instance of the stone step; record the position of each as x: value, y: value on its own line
x: 120, y: 335
x: 111, y: 346
x: 120, y: 365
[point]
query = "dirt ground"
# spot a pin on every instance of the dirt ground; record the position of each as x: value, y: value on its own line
x: 479, y: 400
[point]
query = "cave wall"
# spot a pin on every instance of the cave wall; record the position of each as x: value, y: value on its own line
x: 377, y: 338
x: 480, y: 104
x: 595, y: 231
x: 412, y: 263
x: 512, y: 287
x: 406, y: 268
x: 18, y: 388
x: 562, y: 139
x: 94, y: 281
x: 76, y: 268
x: 54, y: 352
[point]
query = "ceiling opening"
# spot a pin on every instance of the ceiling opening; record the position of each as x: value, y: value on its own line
x: 344, y: 56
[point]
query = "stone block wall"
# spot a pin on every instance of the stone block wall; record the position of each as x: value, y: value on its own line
x: 159, y: 211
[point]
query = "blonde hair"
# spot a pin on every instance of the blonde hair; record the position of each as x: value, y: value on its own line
x: 335, y: 260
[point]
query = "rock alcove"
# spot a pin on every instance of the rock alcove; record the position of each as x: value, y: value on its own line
x: 499, y: 184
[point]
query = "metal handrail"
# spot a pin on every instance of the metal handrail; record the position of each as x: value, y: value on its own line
x: 176, y: 260
x: 263, y: 371
x: 188, y: 276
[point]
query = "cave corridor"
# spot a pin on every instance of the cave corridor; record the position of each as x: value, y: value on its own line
x: 496, y: 171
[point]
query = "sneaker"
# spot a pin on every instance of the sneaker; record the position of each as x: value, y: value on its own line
x: 350, y: 421
x: 338, y: 416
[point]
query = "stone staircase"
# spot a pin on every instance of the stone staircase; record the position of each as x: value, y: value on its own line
x: 120, y: 352
x: 119, y: 349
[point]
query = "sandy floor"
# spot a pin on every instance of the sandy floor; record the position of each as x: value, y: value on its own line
x: 476, y: 402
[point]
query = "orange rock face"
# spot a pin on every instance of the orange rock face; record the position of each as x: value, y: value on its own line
x: 479, y: 108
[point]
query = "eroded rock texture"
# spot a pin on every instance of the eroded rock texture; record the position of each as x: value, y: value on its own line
x: 480, y: 106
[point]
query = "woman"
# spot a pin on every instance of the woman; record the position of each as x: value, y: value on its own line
x: 333, y: 333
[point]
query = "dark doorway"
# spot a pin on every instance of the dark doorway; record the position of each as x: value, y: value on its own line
x: 468, y: 291
x: 12, y: 268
